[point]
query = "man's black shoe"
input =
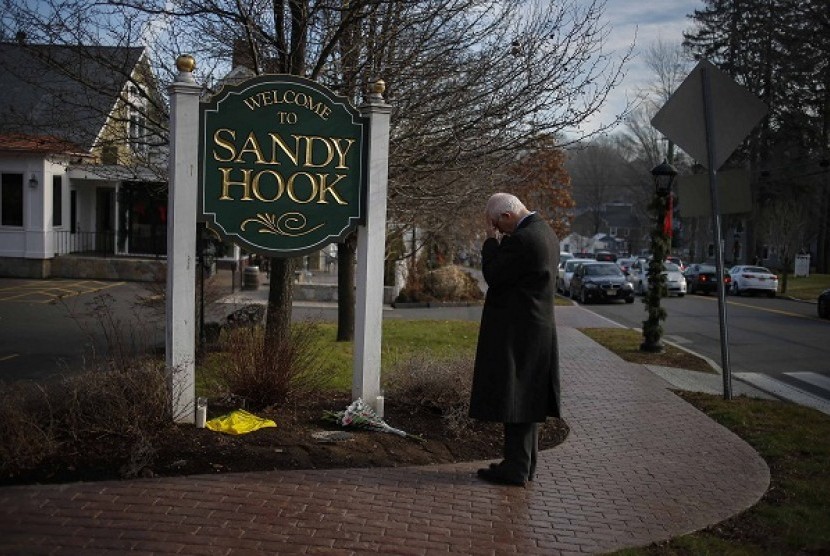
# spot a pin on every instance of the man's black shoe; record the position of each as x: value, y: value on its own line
x: 494, y: 476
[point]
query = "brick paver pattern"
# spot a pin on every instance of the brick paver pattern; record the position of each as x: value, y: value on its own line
x: 639, y: 465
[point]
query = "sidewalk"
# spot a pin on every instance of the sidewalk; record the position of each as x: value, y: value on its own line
x: 640, y: 465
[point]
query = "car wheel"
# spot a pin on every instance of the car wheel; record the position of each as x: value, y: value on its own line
x: 771, y: 294
x: 681, y: 294
x: 629, y: 299
x: 583, y: 298
x: 823, y: 309
x: 736, y: 290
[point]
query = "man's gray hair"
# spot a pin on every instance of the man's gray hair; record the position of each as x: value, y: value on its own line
x: 500, y: 203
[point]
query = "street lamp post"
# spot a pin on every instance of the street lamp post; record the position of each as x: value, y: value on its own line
x: 664, y: 175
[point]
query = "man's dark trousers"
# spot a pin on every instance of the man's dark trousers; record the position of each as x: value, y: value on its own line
x: 521, y: 445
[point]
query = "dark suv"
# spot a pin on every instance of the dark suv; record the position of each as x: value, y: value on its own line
x: 600, y: 281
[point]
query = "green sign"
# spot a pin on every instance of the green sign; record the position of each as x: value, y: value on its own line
x: 281, y: 165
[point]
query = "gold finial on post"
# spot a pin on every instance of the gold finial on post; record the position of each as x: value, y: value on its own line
x: 185, y: 63
x: 376, y: 89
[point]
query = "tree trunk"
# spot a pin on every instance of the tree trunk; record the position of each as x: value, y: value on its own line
x: 346, y: 254
x: 280, y: 297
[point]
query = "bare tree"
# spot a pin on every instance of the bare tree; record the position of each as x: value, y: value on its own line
x: 783, y: 226
x: 473, y: 82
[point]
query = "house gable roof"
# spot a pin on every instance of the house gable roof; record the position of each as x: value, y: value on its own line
x: 63, y: 92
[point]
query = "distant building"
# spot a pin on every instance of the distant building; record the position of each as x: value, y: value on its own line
x: 615, y: 227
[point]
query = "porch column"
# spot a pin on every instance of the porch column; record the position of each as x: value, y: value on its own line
x: 180, y: 335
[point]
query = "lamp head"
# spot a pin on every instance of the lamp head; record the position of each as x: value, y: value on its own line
x: 664, y: 174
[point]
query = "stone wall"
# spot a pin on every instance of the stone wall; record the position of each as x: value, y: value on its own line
x: 95, y: 268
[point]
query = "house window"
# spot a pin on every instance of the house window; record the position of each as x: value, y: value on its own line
x: 57, y: 201
x: 109, y: 154
x: 137, y: 134
x: 11, y: 200
x: 73, y: 211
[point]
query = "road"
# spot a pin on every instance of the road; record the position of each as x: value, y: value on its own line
x: 773, y: 343
x: 52, y: 326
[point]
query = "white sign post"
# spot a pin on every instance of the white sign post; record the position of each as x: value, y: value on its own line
x: 180, y: 333
x: 371, y: 252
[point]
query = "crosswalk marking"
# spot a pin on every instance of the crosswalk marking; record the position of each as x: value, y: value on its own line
x: 789, y: 392
x: 813, y: 378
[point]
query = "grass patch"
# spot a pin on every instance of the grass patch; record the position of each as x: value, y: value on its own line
x: 806, y: 287
x: 625, y: 342
x: 561, y: 300
x: 401, y: 340
x: 793, y: 517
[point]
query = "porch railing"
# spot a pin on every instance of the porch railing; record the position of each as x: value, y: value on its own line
x: 103, y: 244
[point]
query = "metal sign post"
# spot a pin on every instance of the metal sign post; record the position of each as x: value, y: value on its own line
x: 688, y: 118
x: 713, y: 193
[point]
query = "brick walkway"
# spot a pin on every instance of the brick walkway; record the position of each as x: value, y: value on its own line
x: 640, y: 465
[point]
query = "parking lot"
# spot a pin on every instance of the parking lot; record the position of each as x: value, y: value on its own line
x: 48, y: 291
x: 50, y: 327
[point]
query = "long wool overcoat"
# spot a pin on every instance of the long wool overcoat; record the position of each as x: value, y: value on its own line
x: 516, y: 377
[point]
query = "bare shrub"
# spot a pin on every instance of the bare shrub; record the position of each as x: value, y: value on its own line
x: 440, y: 385
x: 448, y: 283
x: 27, y: 431
x: 115, y: 338
x: 264, y: 374
x: 452, y: 283
x: 120, y: 412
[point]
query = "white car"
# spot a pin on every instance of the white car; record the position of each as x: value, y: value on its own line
x: 675, y: 281
x: 751, y: 279
x: 566, y: 272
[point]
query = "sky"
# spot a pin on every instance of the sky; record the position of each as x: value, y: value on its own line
x: 642, y: 22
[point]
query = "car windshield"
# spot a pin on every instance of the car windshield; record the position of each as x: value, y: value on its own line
x: 603, y: 270
x: 671, y: 267
x: 571, y: 265
x: 756, y: 269
x: 705, y: 268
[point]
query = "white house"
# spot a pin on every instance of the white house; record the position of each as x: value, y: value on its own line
x: 78, y: 141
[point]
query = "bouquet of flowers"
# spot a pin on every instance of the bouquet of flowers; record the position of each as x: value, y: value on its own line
x: 360, y: 415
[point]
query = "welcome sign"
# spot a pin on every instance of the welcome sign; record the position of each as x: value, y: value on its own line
x: 281, y: 165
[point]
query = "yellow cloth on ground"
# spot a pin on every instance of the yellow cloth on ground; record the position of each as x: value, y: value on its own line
x: 239, y: 422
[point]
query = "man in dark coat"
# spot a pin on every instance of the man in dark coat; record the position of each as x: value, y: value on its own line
x: 516, y: 377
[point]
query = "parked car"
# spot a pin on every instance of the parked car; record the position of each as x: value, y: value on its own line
x: 563, y: 256
x: 605, y: 256
x: 625, y: 264
x: 675, y: 281
x: 600, y: 281
x: 677, y: 261
x: 753, y: 279
x: 824, y: 304
x: 701, y: 278
x: 566, y: 271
